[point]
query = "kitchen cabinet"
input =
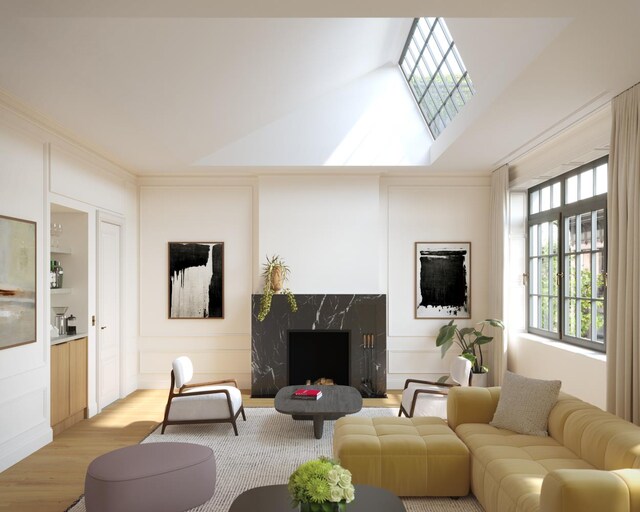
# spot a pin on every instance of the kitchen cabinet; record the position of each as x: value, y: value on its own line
x: 68, y: 384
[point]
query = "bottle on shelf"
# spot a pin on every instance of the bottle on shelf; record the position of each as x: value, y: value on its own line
x: 56, y: 274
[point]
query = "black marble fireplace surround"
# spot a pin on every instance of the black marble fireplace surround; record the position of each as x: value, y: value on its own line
x: 364, y: 317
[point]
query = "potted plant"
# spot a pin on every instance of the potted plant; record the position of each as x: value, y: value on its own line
x: 470, y: 340
x: 321, y: 485
x: 275, y: 273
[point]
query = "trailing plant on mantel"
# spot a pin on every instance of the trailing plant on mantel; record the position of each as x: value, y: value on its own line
x: 275, y: 273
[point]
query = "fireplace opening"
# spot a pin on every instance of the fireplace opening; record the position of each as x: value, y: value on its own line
x: 315, y: 355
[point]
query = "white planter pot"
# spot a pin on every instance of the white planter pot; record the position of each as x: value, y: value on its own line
x: 479, y: 380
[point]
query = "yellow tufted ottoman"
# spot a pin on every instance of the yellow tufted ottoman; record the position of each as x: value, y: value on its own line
x: 407, y: 456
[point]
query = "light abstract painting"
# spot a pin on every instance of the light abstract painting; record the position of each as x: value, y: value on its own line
x: 443, y: 273
x: 17, y: 282
x: 196, y: 280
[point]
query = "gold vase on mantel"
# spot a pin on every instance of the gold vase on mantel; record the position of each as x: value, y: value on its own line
x: 277, y: 279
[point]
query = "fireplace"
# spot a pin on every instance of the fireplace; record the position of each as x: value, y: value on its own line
x: 360, y: 320
x: 318, y: 354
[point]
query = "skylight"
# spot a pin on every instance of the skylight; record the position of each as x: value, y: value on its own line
x: 435, y: 72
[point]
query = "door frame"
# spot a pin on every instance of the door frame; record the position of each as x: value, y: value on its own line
x: 110, y: 218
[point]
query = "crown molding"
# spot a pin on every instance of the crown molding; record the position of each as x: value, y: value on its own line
x: 53, y: 132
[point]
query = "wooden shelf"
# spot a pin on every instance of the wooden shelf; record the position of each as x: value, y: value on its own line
x: 61, y: 291
x: 61, y: 250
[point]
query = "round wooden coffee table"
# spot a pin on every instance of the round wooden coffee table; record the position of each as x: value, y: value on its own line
x: 336, y: 401
x: 276, y: 498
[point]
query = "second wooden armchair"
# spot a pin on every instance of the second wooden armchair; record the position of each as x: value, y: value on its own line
x: 427, y: 398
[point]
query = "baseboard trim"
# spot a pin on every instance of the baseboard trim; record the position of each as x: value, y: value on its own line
x: 25, y: 444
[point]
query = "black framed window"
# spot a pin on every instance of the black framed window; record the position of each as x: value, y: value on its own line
x: 567, y: 253
x: 435, y: 72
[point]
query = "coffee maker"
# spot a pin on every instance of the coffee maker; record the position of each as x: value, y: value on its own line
x: 60, y: 321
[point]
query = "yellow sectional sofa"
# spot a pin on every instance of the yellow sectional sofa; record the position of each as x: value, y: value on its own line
x: 589, y: 462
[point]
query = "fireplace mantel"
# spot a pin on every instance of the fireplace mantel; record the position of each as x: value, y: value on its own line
x: 359, y: 314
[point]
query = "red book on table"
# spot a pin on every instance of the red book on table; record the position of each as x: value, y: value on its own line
x: 307, y: 393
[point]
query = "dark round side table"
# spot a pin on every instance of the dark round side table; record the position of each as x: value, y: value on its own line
x: 276, y: 498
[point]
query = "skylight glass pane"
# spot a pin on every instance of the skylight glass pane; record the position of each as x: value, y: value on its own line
x: 454, y: 67
x: 457, y: 99
x: 418, y: 85
x: 419, y: 38
x: 439, y: 82
x: 451, y: 109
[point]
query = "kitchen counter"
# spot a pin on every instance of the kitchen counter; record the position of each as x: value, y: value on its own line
x: 68, y: 337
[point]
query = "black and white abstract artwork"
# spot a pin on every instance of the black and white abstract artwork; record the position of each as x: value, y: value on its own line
x: 196, y: 280
x: 443, y: 275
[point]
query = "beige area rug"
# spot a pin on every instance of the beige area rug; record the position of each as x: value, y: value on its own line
x: 269, y: 448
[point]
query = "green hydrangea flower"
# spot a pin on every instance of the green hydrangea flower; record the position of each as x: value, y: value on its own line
x: 320, y: 483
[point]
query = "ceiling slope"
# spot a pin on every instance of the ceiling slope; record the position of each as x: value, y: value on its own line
x: 167, y: 89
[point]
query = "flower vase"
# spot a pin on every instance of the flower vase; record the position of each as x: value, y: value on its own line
x: 327, y: 506
x: 277, y: 279
x: 479, y: 380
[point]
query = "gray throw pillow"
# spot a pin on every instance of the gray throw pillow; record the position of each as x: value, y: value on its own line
x: 525, y: 404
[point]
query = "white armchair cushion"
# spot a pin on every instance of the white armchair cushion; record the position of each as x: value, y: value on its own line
x: 460, y: 371
x: 427, y: 404
x: 182, y: 370
x: 204, y: 407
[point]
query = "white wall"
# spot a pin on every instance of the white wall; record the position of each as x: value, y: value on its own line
x: 339, y: 234
x: 36, y: 167
x: 219, y: 348
x: 326, y: 228
x: 24, y: 370
x: 430, y: 210
x: 583, y: 372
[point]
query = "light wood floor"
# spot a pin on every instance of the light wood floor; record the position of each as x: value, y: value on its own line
x: 52, y: 479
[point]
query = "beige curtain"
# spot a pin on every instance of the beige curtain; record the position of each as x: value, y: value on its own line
x: 499, y: 218
x: 623, y: 226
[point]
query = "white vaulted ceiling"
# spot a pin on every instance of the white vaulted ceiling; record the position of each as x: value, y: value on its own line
x: 199, y: 94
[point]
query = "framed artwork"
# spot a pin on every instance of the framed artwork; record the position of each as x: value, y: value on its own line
x: 196, y: 288
x: 443, y: 279
x: 17, y: 282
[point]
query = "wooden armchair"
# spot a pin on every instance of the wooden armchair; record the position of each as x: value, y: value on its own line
x: 427, y: 398
x: 203, y: 402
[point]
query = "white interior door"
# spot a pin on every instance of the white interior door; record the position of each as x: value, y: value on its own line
x: 109, y: 282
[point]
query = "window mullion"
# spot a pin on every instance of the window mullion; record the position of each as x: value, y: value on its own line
x: 560, y: 289
x: 550, y: 276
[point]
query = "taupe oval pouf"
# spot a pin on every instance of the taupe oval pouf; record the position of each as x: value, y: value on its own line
x: 151, y: 477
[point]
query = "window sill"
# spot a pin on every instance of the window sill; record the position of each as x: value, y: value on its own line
x: 599, y: 356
